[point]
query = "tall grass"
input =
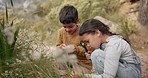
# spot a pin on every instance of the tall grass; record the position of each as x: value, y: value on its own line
x: 8, y: 37
x: 31, y: 58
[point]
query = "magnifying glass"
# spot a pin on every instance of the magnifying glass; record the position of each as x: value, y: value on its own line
x: 84, y: 46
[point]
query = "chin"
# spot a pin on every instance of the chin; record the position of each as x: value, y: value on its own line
x: 94, y: 47
x: 97, y: 47
x: 70, y: 33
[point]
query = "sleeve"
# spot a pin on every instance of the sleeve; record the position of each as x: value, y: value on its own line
x: 111, y: 62
x: 92, y: 76
x: 80, y: 50
x: 59, y: 38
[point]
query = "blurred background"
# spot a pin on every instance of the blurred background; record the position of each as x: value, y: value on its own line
x: 38, y: 21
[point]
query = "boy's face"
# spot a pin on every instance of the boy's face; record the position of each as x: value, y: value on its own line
x: 70, y: 28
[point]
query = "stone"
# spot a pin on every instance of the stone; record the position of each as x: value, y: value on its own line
x: 113, y: 26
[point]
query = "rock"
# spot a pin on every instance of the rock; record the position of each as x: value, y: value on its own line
x: 122, y: 1
x: 113, y: 26
x: 131, y: 1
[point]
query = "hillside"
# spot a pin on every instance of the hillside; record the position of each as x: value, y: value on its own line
x: 139, y: 39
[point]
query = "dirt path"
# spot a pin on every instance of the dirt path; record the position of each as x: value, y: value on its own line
x: 144, y: 58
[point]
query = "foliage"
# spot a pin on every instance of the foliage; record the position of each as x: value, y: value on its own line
x: 47, y: 22
x: 126, y: 29
x: 30, y: 58
x: 8, y: 37
x: 102, y: 8
x: 43, y: 68
x: 90, y: 9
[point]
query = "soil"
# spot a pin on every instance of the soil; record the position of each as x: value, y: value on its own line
x: 143, y: 53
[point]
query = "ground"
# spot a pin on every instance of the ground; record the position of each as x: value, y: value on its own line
x: 140, y: 44
x: 143, y: 53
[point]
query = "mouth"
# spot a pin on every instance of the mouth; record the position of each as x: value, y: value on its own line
x: 70, y: 32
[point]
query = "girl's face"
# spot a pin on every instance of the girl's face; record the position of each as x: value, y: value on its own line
x: 92, y: 40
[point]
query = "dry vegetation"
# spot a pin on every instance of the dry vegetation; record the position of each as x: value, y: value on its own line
x: 39, y: 22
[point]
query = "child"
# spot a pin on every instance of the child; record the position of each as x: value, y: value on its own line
x: 117, y: 60
x: 69, y: 33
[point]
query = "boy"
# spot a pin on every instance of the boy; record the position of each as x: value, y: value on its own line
x: 69, y: 33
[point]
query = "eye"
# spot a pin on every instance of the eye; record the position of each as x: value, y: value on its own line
x: 68, y: 26
x: 86, y: 41
x: 64, y: 26
x: 83, y: 43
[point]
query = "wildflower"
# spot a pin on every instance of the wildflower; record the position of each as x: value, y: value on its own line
x: 63, y: 54
x: 36, y: 55
x: 9, y: 33
x: 72, y: 58
x: 18, y: 61
x: 56, y: 51
x: 69, y: 48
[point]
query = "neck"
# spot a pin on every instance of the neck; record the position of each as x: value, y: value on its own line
x: 104, y: 37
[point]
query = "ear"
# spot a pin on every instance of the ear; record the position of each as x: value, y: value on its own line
x: 98, y: 33
x: 78, y: 20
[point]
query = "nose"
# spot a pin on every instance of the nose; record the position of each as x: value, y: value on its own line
x: 87, y: 44
x: 67, y: 29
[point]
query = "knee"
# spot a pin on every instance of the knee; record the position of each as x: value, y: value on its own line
x: 97, y: 54
x: 97, y: 57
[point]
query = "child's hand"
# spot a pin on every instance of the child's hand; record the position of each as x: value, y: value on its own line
x: 62, y: 45
x: 88, y: 53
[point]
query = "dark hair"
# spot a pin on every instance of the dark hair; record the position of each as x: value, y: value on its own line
x: 68, y: 14
x: 91, y: 25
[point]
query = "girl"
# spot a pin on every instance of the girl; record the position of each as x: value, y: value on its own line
x: 117, y: 59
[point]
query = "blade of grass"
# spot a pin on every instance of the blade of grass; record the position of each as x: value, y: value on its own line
x: 2, y: 43
x: 11, y: 23
x: 11, y: 2
x: 6, y: 12
x: 2, y: 23
x: 15, y: 38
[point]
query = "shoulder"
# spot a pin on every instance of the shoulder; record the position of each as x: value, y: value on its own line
x: 61, y: 29
x: 117, y: 45
x: 116, y: 39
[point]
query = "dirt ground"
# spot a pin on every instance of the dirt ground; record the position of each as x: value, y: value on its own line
x: 140, y: 44
x: 143, y: 53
